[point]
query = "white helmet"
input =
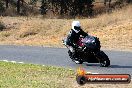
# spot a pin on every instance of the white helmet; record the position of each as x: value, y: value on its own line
x: 76, y: 24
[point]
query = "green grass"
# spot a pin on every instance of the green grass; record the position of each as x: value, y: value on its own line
x: 13, y: 75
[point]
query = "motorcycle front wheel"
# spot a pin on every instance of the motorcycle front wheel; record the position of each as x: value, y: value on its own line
x: 104, y: 60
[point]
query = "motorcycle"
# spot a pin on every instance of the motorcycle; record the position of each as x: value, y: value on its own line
x: 88, y: 50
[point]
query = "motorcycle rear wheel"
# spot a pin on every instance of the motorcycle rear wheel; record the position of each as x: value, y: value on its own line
x: 76, y: 60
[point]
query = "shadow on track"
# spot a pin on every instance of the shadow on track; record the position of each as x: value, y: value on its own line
x: 111, y: 66
x: 92, y: 64
x: 119, y: 66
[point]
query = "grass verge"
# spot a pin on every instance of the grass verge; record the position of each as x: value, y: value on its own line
x: 14, y: 75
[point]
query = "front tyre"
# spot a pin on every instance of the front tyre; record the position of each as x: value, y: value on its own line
x: 105, y: 63
x: 104, y: 60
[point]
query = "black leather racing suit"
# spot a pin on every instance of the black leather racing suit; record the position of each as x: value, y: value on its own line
x: 73, y: 37
x: 72, y: 40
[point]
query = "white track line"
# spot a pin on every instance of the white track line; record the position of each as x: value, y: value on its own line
x: 12, y: 61
x: 5, y: 60
x: 20, y: 62
x: 95, y: 73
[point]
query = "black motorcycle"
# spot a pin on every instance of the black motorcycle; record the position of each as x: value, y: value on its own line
x: 88, y: 50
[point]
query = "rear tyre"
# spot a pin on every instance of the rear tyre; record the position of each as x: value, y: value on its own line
x: 70, y: 54
x: 104, y: 60
x: 76, y: 60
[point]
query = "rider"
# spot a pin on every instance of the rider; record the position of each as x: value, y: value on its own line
x: 74, y: 36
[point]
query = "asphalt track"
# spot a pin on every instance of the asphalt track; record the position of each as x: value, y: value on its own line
x: 121, y: 61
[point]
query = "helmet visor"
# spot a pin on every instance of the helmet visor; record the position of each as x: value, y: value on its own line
x: 77, y: 28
